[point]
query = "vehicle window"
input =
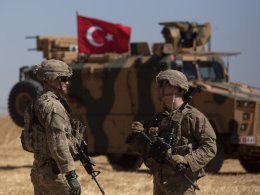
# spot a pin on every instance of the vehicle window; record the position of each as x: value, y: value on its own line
x: 189, y: 70
x: 212, y: 71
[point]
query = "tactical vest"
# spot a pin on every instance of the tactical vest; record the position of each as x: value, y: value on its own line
x: 171, y: 133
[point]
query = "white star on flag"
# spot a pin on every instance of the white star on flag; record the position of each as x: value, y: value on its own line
x: 109, y: 37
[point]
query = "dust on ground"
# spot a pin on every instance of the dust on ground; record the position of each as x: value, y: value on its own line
x: 15, y: 165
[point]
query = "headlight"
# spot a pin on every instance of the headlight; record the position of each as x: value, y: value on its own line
x: 246, y: 116
x: 243, y: 127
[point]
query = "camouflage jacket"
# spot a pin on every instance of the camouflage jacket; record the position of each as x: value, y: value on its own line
x: 196, y: 141
x: 199, y: 132
x: 51, y: 134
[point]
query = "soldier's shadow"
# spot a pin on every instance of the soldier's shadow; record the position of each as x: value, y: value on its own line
x: 229, y: 173
x: 11, y: 167
x: 116, y: 168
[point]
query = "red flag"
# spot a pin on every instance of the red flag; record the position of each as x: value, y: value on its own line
x: 97, y: 36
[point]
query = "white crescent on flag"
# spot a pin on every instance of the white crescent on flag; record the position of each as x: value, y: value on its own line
x: 89, y: 36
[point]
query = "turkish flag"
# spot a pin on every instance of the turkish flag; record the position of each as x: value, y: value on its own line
x: 97, y: 36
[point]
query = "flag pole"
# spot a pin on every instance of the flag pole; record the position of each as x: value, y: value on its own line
x: 77, y: 27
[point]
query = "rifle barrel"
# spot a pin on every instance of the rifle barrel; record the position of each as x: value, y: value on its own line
x: 184, y: 175
x: 87, y: 164
x: 100, y: 188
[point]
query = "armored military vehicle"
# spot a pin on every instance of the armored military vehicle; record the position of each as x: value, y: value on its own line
x: 109, y: 91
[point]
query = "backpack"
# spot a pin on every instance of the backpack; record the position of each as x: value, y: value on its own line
x: 27, y: 133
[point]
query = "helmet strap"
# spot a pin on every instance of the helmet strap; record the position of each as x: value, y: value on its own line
x: 173, y: 100
x: 65, y: 104
x: 60, y: 96
x: 63, y: 99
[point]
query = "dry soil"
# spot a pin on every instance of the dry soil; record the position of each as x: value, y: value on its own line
x: 15, y: 165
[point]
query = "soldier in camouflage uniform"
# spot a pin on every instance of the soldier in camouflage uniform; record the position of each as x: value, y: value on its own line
x: 193, y: 141
x: 53, y: 170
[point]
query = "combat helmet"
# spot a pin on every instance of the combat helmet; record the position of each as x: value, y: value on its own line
x: 175, y: 78
x: 52, y: 69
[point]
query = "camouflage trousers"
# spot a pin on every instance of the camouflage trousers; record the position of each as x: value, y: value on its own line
x: 171, y: 186
x: 46, y: 182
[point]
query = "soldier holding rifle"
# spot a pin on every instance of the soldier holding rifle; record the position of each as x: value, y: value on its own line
x: 176, y: 143
x: 47, y: 121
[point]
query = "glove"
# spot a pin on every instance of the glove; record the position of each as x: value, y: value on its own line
x: 75, y: 188
x: 137, y: 127
x: 178, y: 159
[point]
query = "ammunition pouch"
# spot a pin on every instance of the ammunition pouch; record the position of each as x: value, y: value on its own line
x: 77, y: 130
x: 33, y: 138
x: 27, y: 133
x: 75, y: 137
x: 40, y: 140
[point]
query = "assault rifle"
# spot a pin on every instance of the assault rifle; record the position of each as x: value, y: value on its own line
x: 82, y: 151
x: 159, y: 148
x: 88, y: 162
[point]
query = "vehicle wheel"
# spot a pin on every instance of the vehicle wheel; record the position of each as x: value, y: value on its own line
x: 216, y: 163
x: 251, y: 165
x: 126, y: 162
x: 20, y: 96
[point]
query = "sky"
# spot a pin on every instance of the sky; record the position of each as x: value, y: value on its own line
x: 235, y: 27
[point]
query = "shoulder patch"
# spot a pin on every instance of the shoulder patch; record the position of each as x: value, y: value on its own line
x: 58, y: 121
x: 59, y: 109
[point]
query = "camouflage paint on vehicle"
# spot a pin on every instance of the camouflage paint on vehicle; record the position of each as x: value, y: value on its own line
x: 110, y: 91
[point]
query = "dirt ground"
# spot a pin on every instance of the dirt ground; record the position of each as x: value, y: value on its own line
x: 15, y: 165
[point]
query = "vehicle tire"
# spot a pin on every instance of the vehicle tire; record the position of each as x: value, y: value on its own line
x: 125, y: 162
x: 20, y: 96
x: 251, y: 165
x: 215, y: 164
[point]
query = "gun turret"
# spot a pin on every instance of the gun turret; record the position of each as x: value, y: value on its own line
x: 185, y: 36
x: 57, y: 47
